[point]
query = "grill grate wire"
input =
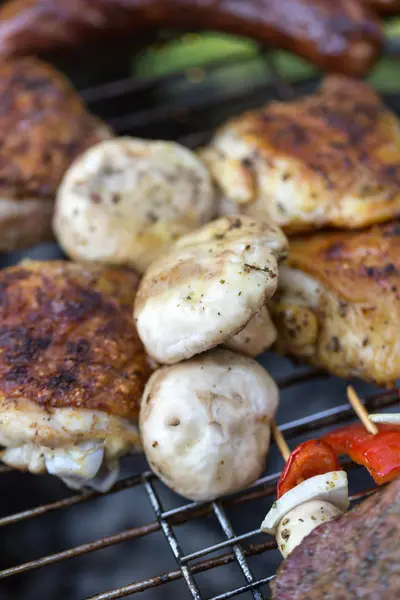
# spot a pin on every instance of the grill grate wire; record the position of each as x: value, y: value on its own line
x: 181, y: 120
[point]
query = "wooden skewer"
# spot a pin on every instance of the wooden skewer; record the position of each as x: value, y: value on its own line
x: 361, y: 411
x: 280, y: 442
x: 282, y: 445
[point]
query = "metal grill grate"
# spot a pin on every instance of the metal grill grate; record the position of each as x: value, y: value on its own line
x: 187, y: 106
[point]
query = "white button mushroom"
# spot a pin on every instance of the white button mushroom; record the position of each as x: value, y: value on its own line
x: 301, y: 521
x: 208, y: 287
x: 205, y: 423
x: 258, y: 335
x: 125, y: 200
x: 331, y: 487
x: 304, y: 507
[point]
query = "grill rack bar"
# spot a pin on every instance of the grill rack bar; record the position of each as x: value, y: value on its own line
x: 173, y: 542
x: 237, y: 549
x: 228, y: 542
x: 109, y: 90
x: 202, y: 566
x: 189, y: 565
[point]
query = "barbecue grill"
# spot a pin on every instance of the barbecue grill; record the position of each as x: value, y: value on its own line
x: 187, y: 106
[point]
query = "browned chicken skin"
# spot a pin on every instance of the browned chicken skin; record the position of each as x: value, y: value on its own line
x: 44, y: 125
x: 341, y: 36
x: 67, y: 337
x: 339, y: 303
x: 328, y: 159
x: 72, y: 370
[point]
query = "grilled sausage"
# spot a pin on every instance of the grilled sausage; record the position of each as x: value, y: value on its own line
x: 342, y: 36
x: 385, y: 7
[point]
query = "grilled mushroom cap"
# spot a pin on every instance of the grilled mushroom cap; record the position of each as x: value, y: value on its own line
x: 208, y: 287
x: 258, y: 335
x: 301, y: 521
x: 126, y: 200
x: 205, y: 423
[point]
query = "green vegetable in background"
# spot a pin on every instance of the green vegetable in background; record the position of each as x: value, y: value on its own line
x: 191, y: 51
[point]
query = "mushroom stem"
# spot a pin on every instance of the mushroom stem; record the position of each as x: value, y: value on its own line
x: 361, y: 411
x: 280, y: 442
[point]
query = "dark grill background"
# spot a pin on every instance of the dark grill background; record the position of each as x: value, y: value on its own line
x: 56, y: 545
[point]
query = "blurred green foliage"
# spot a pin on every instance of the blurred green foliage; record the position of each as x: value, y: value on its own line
x: 195, y: 50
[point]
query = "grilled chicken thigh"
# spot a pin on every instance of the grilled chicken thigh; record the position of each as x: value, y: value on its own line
x: 72, y: 370
x: 44, y: 126
x: 125, y: 200
x: 208, y: 288
x: 332, y: 158
x: 338, y: 304
x: 343, y: 36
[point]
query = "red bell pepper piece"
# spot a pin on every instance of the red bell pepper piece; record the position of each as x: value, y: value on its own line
x: 379, y: 453
x: 351, y: 436
x: 310, y: 458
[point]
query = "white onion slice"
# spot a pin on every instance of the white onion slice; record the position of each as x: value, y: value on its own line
x: 331, y: 487
x: 390, y: 418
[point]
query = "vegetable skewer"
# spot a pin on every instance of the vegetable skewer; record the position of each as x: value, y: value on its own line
x: 280, y: 442
x: 376, y: 447
x: 361, y: 411
x: 311, y: 490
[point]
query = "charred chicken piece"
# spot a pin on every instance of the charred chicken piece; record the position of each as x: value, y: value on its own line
x: 72, y: 370
x: 338, y: 304
x: 44, y: 126
x: 342, y: 36
x: 328, y: 159
x: 357, y: 555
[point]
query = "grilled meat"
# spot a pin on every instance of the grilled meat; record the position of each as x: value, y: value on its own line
x: 72, y: 369
x: 385, y: 7
x: 354, y: 556
x: 44, y: 126
x: 332, y: 158
x: 342, y: 36
x: 338, y: 305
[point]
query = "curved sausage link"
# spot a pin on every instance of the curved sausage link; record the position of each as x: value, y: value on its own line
x: 342, y: 36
